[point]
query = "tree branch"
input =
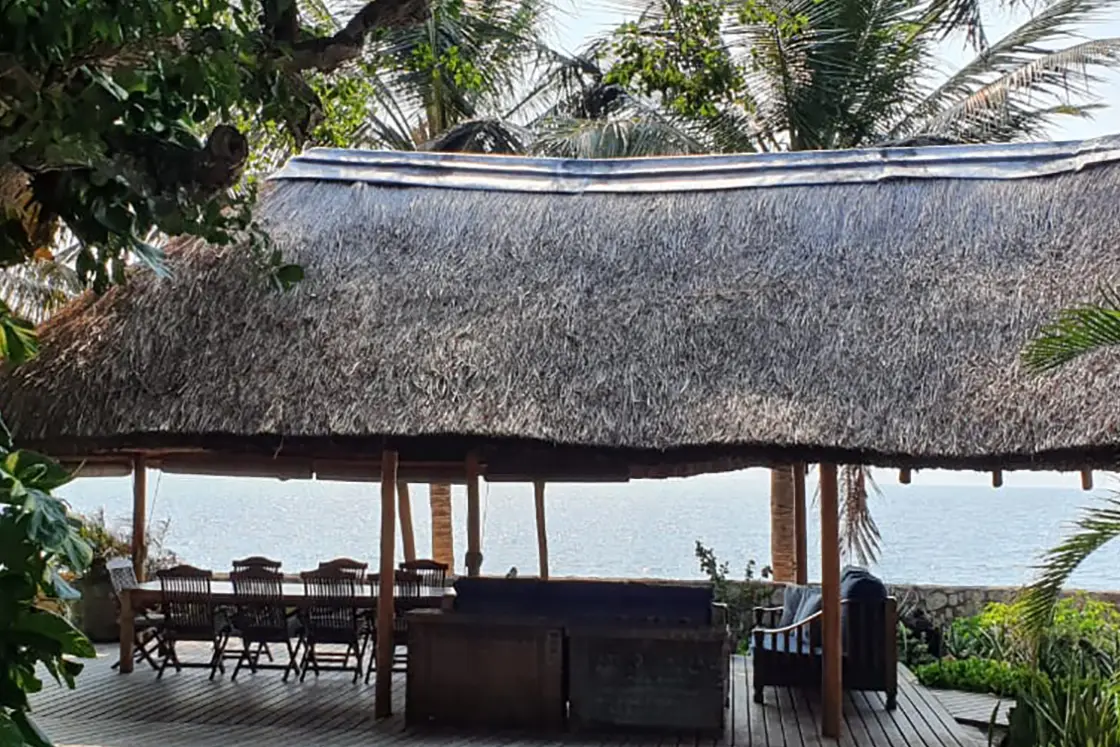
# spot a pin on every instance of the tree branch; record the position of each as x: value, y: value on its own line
x: 327, y: 53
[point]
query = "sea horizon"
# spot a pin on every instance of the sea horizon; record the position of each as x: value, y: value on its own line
x: 954, y: 531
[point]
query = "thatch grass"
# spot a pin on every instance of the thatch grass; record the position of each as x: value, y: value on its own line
x: 861, y: 322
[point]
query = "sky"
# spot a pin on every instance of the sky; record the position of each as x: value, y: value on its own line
x: 580, y: 20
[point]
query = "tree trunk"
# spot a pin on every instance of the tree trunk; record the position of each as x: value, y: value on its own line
x: 443, y: 544
x: 783, y: 526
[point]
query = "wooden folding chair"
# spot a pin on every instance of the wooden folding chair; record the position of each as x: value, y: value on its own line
x: 189, y: 615
x: 332, y: 617
x: 260, y: 619
x: 147, y: 626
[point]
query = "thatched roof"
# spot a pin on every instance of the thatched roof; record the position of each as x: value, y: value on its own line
x: 862, y: 306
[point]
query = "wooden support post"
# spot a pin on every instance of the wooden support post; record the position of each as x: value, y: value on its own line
x: 404, y: 508
x: 474, y: 518
x: 139, y: 517
x: 832, y: 684
x: 800, y: 522
x: 1086, y: 479
x: 542, y: 533
x: 997, y: 478
x: 383, y: 690
x: 905, y: 475
x: 127, y: 631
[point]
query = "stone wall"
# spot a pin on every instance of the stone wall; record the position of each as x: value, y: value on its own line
x: 943, y: 604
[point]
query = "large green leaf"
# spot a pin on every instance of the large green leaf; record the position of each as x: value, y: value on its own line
x: 36, y: 470
x: 46, y: 625
x: 33, y: 736
x: 11, y: 735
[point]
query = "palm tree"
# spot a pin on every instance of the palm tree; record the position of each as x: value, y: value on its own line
x: 1076, y: 332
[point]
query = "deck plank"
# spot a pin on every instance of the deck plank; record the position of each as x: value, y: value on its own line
x: 258, y: 710
x: 974, y: 708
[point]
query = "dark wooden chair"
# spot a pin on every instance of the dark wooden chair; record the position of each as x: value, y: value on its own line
x: 791, y: 656
x: 190, y: 615
x: 147, y: 625
x: 432, y: 573
x: 256, y: 561
x: 406, y: 597
x: 260, y: 619
x: 354, y: 568
x: 332, y: 618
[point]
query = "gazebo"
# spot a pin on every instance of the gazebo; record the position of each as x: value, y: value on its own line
x: 467, y: 317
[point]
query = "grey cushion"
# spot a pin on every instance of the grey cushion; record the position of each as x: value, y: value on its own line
x: 810, y: 604
x: 771, y: 643
x: 791, y: 600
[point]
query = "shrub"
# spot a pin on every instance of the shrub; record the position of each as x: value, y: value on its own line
x: 913, y: 650
x: 1070, y: 711
x: 741, y: 597
x: 973, y: 675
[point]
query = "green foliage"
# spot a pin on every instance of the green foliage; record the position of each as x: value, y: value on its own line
x: 115, y: 129
x: 913, y: 651
x: 1076, y: 332
x: 682, y: 57
x: 1064, y: 678
x: 974, y: 675
x: 1071, y: 711
x: 741, y: 597
x: 1095, y: 528
x: 803, y: 75
x: 38, y: 539
x: 108, y: 542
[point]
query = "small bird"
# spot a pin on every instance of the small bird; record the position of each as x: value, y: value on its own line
x: 512, y: 572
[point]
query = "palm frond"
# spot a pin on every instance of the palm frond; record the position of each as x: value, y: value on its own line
x: 859, y: 534
x: 613, y: 138
x: 992, y: 111
x: 482, y: 136
x: 36, y: 290
x: 1076, y: 332
x: 1099, y: 526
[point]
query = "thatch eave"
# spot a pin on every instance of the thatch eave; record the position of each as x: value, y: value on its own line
x: 650, y: 317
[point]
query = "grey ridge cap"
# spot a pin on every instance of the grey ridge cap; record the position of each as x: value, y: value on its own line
x: 697, y: 173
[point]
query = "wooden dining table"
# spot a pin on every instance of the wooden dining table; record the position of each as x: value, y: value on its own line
x: 292, y: 595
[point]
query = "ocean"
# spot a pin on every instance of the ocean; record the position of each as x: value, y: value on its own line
x: 945, y: 528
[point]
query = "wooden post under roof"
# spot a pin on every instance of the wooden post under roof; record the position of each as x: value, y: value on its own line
x: 1086, y: 479
x: 542, y: 532
x: 404, y: 508
x: 997, y: 478
x: 383, y: 688
x: 800, y: 521
x: 832, y: 683
x: 905, y: 475
x: 474, y: 518
x: 139, y: 517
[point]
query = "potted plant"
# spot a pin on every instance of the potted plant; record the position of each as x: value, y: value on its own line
x: 96, y: 611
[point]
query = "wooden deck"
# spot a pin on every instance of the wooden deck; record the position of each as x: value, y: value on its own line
x: 187, y: 710
x: 975, y: 708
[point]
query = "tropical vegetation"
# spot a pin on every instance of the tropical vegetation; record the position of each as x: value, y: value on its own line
x: 740, y: 597
x: 1064, y: 679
